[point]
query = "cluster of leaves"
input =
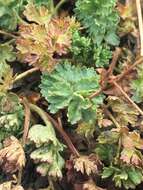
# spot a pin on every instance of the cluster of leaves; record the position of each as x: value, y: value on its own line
x: 79, y: 93
x: 70, y: 86
x: 95, y: 17
x: 11, y: 116
x: 47, y: 152
x: 44, y: 37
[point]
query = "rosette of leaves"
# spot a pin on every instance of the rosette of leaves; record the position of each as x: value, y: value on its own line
x: 11, y: 115
x: 9, y: 13
x: 124, y: 176
x: 47, y: 152
x: 100, y: 18
x: 70, y: 87
x: 45, y: 38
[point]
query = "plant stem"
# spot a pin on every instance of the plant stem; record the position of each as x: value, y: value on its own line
x: 41, y: 113
x: 140, y: 21
x: 111, y: 117
x: 48, y: 120
x: 118, y: 151
x: 26, y: 121
x: 116, y: 55
x: 121, y: 76
x: 24, y: 74
x: 64, y: 135
x: 58, y: 6
x: 8, y: 34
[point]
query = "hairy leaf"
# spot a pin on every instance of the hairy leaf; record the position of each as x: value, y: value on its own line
x: 96, y: 15
x: 70, y: 86
x: 47, y: 152
x: 41, y: 135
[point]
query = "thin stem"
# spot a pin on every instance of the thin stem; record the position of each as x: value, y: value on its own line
x: 24, y: 74
x: 96, y: 93
x: 26, y: 121
x: 41, y: 113
x: 51, y: 185
x: 140, y: 21
x: 116, y: 55
x: 58, y: 6
x: 121, y: 76
x: 8, y: 34
x: 128, y: 98
x: 111, y: 117
x: 19, y: 177
x: 48, y: 120
x: 118, y: 150
x: 64, y: 135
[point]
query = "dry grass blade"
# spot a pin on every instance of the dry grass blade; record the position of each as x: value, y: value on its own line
x: 140, y: 20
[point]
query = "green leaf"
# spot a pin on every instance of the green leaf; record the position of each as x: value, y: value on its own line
x: 11, y: 115
x: 107, y: 172
x: 137, y: 85
x: 135, y: 175
x: 6, y: 53
x: 40, y: 134
x: 70, y: 86
x: 96, y: 15
x: 9, y: 13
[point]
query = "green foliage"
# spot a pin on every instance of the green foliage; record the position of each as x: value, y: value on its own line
x: 106, y: 152
x: 84, y: 52
x: 11, y: 115
x: 47, y: 152
x: 70, y: 86
x: 102, y: 54
x: 6, y: 53
x: 9, y: 13
x: 137, y: 85
x: 100, y: 18
x: 86, y: 129
x: 6, y: 73
x: 124, y: 176
x: 81, y: 49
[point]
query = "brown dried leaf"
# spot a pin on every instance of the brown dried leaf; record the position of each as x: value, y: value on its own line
x: 40, y: 41
x: 8, y: 186
x: 87, y: 164
x: 131, y: 156
x: 12, y: 156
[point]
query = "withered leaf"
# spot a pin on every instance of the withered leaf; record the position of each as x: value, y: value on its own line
x: 123, y: 112
x: 87, y: 164
x: 12, y: 156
